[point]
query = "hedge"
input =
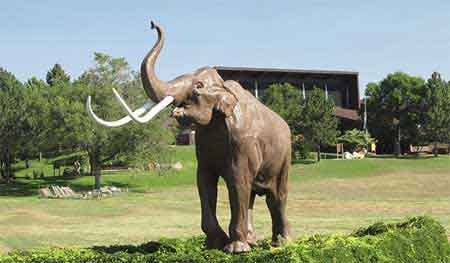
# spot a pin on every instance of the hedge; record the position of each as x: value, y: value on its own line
x: 418, y: 239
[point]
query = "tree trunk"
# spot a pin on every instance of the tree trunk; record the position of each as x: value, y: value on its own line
x: 10, y: 173
x: 435, y: 149
x: 397, y: 149
x: 94, y: 161
x: 318, y: 153
x: 97, y: 175
x: 7, y: 165
x: 27, y: 163
x: 2, y: 171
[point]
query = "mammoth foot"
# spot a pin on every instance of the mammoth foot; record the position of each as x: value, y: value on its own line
x: 251, y: 238
x: 216, y: 242
x: 280, y: 240
x: 237, y: 247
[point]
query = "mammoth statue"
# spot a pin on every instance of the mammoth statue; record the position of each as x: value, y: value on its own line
x: 237, y: 138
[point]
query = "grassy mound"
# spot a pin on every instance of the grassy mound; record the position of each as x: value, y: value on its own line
x: 418, y: 239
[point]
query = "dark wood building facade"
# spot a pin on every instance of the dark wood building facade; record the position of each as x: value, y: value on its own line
x: 340, y: 86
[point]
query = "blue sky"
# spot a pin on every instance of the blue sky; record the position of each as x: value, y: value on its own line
x: 371, y: 37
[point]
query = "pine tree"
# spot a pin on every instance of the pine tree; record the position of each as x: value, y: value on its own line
x: 12, y: 120
x: 285, y: 99
x: 319, y: 125
x: 57, y: 75
x: 437, y: 120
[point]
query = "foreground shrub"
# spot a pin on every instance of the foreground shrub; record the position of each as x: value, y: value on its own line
x: 419, y: 239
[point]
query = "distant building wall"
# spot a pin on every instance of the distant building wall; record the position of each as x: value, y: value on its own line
x: 341, y: 86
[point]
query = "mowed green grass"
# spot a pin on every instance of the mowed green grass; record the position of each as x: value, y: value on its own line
x: 333, y: 196
x: 137, y: 181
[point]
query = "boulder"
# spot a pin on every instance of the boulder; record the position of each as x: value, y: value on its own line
x: 45, y: 193
x: 177, y: 166
x: 348, y: 156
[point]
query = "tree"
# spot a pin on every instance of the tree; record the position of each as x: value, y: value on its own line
x: 37, y: 108
x: 57, y: 76
x: 318, y: 124
x: 285, y: 99
x: 12, y: 120
x: 355, y: 138
x: 72, y: 125
x: 395, y: 110
x: 311, y: 120
x: 437, y: 117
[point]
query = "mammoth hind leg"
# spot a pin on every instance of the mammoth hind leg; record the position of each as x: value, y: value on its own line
x: 276, y: 202
x: 280, y: 224
x: 251, y: 235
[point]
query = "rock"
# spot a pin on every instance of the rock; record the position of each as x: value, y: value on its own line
x: 45, y: 193
x: 57, y: 191
x: 357, y: 155
x: 360, y: 154
x: 114, y: 189
x: 177, y: 166
x: 348, y: 156
x: 67, y: 192
x: 152, y: 165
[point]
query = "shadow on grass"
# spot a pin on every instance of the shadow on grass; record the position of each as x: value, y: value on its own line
x: 146, y: 248
x: 304, y: 161
x: 18, y: 188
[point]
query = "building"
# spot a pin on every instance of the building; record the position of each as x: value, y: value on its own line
x: 340, y: 86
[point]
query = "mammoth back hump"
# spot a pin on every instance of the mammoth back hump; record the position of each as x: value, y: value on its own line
x: 252, y: 118
x: 237, y: 90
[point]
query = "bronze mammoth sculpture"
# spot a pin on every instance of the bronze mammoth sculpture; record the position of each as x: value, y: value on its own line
x: 237, y: 138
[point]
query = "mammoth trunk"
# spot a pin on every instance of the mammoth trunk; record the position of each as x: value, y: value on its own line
x: 153, y: 86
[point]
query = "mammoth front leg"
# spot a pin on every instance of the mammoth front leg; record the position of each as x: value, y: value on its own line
x: 239, y: 194
x: 251, y: 236
x: 216, y: 238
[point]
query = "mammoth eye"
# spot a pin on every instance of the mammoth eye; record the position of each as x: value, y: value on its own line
x: 199, y: 85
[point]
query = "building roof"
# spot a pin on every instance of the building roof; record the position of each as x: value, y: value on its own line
x: 295, y: 71
x: 346, y: 114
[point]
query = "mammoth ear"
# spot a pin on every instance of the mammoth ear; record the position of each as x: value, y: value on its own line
x: 225, y: 103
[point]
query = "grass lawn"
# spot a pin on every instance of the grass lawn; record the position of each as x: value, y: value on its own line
x: 331, y: 197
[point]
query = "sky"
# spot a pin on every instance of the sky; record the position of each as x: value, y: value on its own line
x: 371, y: 37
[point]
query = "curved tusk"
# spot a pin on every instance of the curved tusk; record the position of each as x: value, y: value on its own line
x: 133, y: 114
x: 117, y: 123
x: 149, y: 115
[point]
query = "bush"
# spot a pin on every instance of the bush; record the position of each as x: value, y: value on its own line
x: 419, y: 239
x: 301, y: 149
x: 354, y: 139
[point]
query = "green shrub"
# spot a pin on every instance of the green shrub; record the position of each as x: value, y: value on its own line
x: 418, y: 239
x: 354, y: 139
x: 301, y: 148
